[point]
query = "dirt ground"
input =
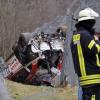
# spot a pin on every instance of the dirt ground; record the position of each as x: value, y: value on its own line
x: 26, y: 92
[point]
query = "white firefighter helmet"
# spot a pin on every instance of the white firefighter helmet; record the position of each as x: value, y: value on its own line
x: 87, y: 14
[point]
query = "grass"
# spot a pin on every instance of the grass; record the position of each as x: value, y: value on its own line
x: 28, y: 92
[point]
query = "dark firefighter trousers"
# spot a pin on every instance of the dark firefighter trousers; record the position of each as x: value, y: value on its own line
x: 91, y: 93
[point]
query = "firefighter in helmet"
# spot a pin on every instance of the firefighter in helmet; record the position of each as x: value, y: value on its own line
x: 97, y: 35
x: 62, y: 30
x: 85, y: 52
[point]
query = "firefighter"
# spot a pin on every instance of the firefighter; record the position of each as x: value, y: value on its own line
x: 85, y: 52
x: 61, y: 30
x: 97, y: 35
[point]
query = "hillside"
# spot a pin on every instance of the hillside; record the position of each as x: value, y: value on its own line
x: 26, y: 92
x: 18, y: 16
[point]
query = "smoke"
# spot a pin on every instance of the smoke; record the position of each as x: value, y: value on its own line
x: 4, y: 94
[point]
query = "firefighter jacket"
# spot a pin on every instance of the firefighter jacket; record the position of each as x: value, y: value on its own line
x: 86, y: 57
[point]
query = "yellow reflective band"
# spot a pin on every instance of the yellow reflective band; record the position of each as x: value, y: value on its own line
x: 87, y: 82
x: 81, y: 60
x: 93, y: 97
x: 76, y: 40
x: 76, y: 37
x: 88, y: 77
x: 98, y: 47
x: 98, y: 60
x: 91, y: 44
